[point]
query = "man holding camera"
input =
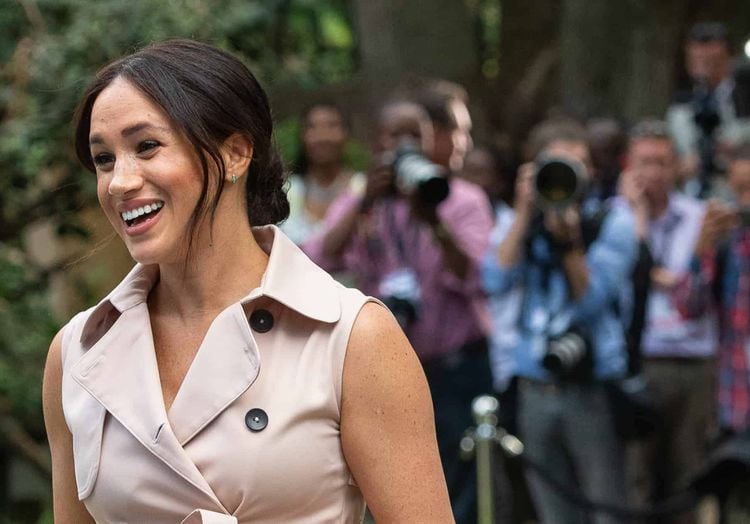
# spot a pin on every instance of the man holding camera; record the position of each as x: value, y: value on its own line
x: 677, y: 352
x: 571, y: 341
x: 414, y: 238
x: 711, y: 114
x: 719, y: 279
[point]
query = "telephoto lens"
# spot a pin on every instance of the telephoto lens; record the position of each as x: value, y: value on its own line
x: 415, y: 174
x: 558, y: 182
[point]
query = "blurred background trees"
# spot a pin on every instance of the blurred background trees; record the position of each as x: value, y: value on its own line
x: 49, y: 51
x: 519, y: 59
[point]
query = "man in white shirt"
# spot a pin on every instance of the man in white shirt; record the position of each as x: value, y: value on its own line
x: 678, y: 352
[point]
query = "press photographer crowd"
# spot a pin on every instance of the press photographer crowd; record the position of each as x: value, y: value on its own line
x: 597, y: 283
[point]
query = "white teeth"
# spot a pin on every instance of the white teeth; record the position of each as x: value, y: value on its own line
x: 134, y: 213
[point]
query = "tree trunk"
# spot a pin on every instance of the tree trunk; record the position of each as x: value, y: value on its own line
x: 625, y: 58
x: 528, y: 61
x: 618, y: 58
x: 400, y: 38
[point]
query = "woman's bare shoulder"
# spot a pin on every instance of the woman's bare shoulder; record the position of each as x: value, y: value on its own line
x: 387, y: 423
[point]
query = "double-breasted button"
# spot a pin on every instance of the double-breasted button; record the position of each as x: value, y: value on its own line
x: 256, y: 419
x: 261, y: 320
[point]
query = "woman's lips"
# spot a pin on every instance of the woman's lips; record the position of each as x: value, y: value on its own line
x: 147, y: 223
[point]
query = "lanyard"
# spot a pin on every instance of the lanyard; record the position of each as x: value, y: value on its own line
x: 389, y: 217
x: 548, y: 316
x: 661, y: 252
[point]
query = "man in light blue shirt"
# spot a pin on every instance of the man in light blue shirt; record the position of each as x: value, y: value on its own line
x: 568, y: 283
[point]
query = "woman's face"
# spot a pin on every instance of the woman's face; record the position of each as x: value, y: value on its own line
x: 148, y: 175
x: 324, y: 136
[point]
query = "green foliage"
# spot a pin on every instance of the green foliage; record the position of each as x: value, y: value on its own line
x: 356, y: 154
x: 287, y: 135
x: 49, y: 51
x: 488, y: 21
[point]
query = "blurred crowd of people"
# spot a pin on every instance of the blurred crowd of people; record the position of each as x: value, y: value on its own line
x: 607, y: 269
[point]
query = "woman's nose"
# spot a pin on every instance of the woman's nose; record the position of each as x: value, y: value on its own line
x: 126, y: 178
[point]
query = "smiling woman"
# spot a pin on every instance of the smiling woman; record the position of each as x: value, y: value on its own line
x: 227, y: 378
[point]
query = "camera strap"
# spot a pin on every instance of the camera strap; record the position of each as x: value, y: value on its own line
x: 389, y: 218
x: 542, y: 320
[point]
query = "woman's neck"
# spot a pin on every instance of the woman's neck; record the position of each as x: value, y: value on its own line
x: 325, y: 175
x: 219, y: 272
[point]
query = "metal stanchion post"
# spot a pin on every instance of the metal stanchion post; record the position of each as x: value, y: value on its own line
x: 485, y: 415
x: 478, y: 444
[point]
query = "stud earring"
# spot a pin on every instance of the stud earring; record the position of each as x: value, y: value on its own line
x: 234, y: 179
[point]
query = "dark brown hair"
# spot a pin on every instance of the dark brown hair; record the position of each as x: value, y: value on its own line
x: 554, y: 130
x: 436, y: 98
x: 302, y: 163
x: 651, y: 128
x: 209, y: 95
x: 704, y: 32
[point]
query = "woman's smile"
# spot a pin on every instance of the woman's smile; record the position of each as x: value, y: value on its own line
x: 140, y: 219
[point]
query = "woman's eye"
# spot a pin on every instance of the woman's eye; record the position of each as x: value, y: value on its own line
x: 147, y: 145
x: 103, y: 159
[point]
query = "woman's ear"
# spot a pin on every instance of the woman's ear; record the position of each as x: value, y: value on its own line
x: 237, y: 152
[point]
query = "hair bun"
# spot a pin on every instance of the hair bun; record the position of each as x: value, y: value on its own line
x: 266, y: 198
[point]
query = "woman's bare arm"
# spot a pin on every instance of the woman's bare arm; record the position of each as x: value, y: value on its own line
x: 67, y: 508
x: 387, y: 424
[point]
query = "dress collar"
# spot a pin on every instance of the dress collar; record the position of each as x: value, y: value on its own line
x: 291, y: 279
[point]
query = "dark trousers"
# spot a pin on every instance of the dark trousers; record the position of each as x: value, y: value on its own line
x: 454, y: 382
x: 568, y: 429
x: 663, y: 464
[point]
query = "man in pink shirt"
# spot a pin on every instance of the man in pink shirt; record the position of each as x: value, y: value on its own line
x: 423, y: 259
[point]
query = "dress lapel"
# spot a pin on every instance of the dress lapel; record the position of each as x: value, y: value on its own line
x: 226, y: 364
x: 120, y: 371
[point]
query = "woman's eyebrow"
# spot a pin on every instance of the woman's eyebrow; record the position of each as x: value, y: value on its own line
x: 130, y: 130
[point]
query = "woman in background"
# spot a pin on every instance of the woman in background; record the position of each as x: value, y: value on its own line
x: 321, y: 175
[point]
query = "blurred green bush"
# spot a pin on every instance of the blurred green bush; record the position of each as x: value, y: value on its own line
x: 49, y: 51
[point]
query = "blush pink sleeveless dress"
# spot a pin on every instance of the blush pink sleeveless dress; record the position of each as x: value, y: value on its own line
x: 253, y: 434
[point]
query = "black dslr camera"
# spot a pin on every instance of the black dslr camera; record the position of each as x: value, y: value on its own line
x: 569, y: 355
x: 415, y: 174
x: 707, y: 119
x: 401, y: 294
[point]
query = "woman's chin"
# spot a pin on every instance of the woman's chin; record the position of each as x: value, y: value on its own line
x: 146, y: 255
x: 145, y: 259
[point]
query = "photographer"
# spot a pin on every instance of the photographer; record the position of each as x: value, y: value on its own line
x: 677, y: 353
x: 421, y: 256
x: 570, y: 285
x: 711, y: 114
x: 719, y: 280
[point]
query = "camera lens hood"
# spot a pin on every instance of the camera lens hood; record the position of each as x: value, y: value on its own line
x: 558, y: 181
